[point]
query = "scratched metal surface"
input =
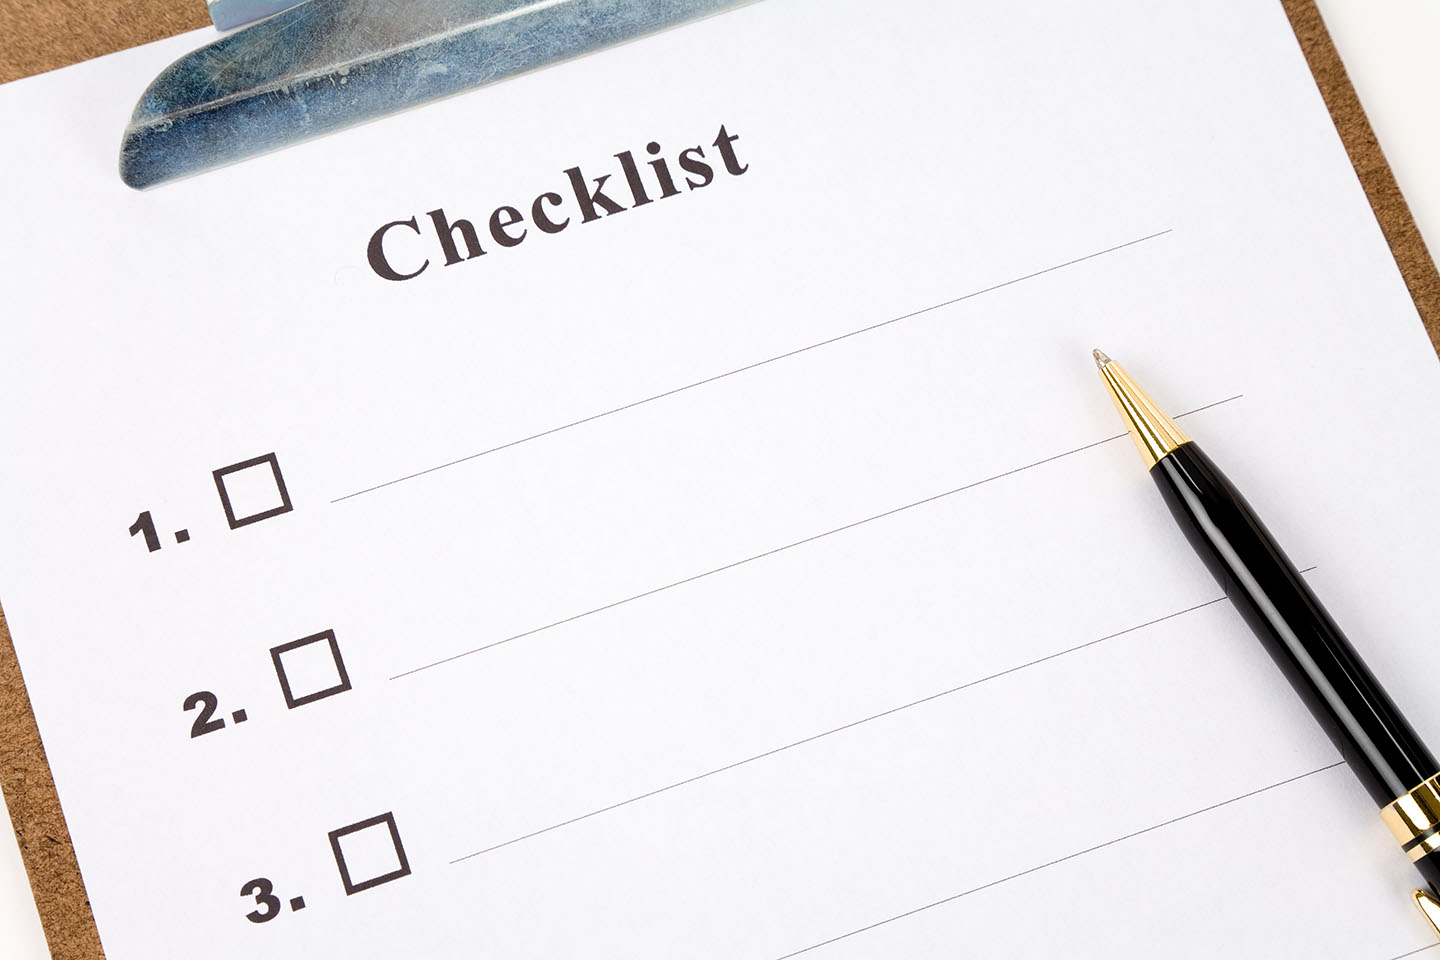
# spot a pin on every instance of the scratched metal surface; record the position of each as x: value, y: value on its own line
x: 328, y: 64
x: 228, y: 14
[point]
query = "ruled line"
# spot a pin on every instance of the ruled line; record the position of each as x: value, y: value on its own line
x: 788, y: 546
x: 1417, y: 950
x: 751, y: 366
x: 1060, y: 860
x: 840, y: 729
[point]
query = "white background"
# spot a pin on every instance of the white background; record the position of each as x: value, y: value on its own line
x: 1388, y: 47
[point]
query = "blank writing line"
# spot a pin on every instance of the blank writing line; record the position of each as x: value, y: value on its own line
x: 1051, y: 863
x: 789, y: 546
x: 848, y: 726
x: 1428, y: 946
x: 750, y: 366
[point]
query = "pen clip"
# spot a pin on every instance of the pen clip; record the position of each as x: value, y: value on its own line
x: 1429, y: 906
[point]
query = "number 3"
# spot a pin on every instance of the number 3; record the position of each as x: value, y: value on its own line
x: 264, y: 893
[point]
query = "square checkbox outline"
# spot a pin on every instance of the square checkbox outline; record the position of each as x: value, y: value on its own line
x: 403, y: 870
x: 285, y: 505
x: 291, y: 701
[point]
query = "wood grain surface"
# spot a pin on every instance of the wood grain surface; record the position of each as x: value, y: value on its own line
x: 40, y: 35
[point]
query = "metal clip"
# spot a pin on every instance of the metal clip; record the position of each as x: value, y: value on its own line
x: 329, y: 64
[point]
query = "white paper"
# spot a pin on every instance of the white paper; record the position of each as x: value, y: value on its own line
x: 807, y: 602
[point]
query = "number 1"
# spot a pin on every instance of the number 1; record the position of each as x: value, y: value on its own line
x: 143, y: 524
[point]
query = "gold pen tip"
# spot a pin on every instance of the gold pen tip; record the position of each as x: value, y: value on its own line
x: 1154, y: 433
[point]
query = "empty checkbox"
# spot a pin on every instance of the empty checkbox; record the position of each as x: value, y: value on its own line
x: 310, y: 668
x: 369, y: 853
x: 252, y: 490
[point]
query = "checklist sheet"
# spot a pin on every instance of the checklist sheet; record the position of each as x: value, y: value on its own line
x: 663, y: 505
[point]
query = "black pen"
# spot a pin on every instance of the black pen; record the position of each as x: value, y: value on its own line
x: 1363, y: 722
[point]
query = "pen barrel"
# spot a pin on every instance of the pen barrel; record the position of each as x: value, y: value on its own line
x: 1307, y: 645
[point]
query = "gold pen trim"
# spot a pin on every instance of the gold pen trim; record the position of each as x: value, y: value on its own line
x: 1415, y: 814
x: 1425, y: 847
x: 1154, y: 433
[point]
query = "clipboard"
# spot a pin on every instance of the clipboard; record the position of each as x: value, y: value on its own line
x: 51, y: 37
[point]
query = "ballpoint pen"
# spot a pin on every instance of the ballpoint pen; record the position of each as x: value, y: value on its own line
x: 1381, y: 747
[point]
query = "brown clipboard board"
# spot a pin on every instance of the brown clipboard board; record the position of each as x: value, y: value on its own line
x: 41, y: 35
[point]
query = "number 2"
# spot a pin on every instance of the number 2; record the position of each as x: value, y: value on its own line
x: 203, y: 724
x: 264, y: 893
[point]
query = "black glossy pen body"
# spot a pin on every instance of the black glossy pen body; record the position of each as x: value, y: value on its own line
x: 1344, y: 696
